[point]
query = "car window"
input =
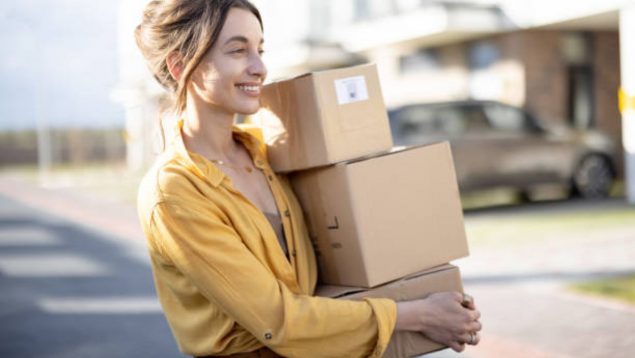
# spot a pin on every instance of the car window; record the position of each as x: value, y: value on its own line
x: 475, y: 119
x: 506, y: 118
x: 416, y: 119
x: 452, y: 120
x: 447, y: 121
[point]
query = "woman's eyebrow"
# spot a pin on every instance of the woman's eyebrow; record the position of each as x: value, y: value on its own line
x: 240, y: 38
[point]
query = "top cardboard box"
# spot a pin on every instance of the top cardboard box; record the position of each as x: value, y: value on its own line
x: 323, y: 118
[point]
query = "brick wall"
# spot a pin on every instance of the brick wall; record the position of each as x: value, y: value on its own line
x: 545, y: 73
x: 606, y: 59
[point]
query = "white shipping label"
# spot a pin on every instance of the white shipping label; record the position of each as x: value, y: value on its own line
x: 351, y: 89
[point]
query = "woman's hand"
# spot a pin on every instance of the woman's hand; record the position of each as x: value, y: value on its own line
x: 450, y: 318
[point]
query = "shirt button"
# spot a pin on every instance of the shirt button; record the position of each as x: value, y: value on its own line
x: 268, y: 335
x: 270, y: 177
x: 287, y: 213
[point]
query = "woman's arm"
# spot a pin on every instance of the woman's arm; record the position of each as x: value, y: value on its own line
x: 211, y: 254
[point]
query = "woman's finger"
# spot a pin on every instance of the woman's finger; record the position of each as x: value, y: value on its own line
x: 475, y: 339
x: 467, y: 301
x: 475, y: 326
x: 457, y: 346
x: 470, y: 338
x: 475, y: 315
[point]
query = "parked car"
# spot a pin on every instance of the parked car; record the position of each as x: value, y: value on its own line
x: 498, y: 145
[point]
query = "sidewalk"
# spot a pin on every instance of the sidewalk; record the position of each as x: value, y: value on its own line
x: 521, y: 287
x: 96, y: 212
x: 518, y: 285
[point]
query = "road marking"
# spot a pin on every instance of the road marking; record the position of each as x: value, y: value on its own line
x: 27, y: 237
x: 112, y: 305
x: 50, y: 265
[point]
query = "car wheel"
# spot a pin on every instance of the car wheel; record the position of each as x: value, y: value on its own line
x: 593, y: 177
x: 524, y: 196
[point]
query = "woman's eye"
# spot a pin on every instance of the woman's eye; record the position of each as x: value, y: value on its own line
x: 240, y: 50
x: 261, y: 51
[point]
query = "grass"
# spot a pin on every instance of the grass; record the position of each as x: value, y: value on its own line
x: 524, y: 223
x: 545, y: 226
x: 619, y: 288
x: 505, y: 196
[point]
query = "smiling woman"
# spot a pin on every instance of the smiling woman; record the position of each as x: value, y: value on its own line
x: 233, y: 264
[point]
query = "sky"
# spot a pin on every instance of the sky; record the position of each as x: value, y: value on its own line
x: 58, y: 63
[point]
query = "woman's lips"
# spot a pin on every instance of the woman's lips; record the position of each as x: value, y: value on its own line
x: 250, y: 89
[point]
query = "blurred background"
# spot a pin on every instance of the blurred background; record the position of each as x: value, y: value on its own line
x: 553, y: 81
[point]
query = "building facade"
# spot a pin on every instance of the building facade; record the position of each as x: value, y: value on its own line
x: 560, y: 60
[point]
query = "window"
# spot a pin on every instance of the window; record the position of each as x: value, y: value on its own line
x: 483, y: 55
x: 422, y: 59
x: 576, y: 48
x: 362, y: 9
x: 367, y: 9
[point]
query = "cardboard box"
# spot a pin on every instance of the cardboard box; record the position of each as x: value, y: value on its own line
x: 324, y: 117
x: 405, y: 344
x: 377, y: 219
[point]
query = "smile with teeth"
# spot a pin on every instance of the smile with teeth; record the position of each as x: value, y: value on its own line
x: 253, y: 89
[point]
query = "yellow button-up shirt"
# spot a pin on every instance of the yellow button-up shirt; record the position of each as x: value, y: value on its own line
x: 223, y: 280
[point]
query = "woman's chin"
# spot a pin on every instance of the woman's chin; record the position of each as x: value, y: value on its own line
x: 248, y: 110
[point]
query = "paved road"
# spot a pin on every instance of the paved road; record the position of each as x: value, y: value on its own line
x: 69, y: 291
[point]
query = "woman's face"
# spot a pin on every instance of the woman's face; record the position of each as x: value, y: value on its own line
x: 230, y: 76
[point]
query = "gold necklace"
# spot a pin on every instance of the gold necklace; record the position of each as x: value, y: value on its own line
x: 247, y: 168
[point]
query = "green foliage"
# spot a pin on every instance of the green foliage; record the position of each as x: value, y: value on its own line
x: 619, y: 288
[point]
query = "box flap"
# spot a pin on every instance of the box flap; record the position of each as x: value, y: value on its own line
x: 306, y: 74
x: 393, y: 150
x: 335, y: 291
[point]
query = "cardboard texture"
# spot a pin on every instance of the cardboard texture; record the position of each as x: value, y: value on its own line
x: 381, y: 218
x: 419, y: 285
x: 323, y: 118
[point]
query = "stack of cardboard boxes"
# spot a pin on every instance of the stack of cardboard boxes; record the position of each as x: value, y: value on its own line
x: 384, y: 222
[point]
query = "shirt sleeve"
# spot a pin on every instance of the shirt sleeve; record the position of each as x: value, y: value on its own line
x: 212, y: 255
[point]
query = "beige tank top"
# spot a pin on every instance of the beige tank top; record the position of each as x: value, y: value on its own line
x: 276, y: 224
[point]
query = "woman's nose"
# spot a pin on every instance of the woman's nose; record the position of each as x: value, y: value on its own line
x: 257, y: 66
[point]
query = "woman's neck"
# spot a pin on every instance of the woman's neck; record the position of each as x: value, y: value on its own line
x: 209, y: 133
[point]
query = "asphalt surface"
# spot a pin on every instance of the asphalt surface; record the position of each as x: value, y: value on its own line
x: 69, y: 291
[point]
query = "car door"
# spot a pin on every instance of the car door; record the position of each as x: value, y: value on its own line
x: 526, y: 155
x: 470, y: 135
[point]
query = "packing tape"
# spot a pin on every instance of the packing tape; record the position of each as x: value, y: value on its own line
x: 626, y: 101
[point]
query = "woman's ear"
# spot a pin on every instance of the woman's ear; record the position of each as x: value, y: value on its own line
x: 175, y: 65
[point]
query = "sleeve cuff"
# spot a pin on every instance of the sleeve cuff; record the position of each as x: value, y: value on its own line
x: 385, y: 311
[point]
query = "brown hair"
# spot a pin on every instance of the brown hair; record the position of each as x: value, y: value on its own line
x: 189, y: 27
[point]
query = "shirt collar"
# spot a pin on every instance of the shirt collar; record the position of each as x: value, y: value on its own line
x: 203, y: 167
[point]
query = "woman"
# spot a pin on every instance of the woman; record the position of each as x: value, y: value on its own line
x: 233, y: 266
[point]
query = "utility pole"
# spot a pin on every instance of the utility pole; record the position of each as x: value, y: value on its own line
x: 627, y: 97
x: 44, y: 153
